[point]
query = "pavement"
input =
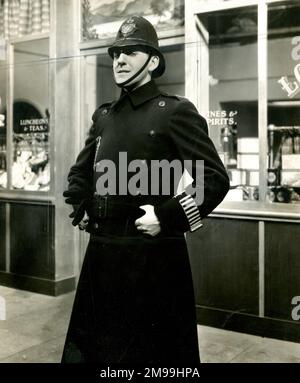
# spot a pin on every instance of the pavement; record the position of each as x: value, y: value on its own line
x: 35, y: 327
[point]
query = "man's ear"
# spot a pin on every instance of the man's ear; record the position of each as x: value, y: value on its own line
x: 153, y: 64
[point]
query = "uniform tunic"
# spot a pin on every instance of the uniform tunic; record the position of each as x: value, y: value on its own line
x: 135, y: 300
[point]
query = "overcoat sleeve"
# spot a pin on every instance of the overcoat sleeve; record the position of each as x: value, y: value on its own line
x: 189, y: 133
x: 80, y: 178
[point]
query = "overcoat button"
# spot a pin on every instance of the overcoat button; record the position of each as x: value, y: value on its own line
x: 162, y: 104
x: 104, y: 112
x: 152, y: 133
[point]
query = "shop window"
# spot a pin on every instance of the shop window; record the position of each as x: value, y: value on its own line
x: 230, y: 46
x: 284, y: 102
x: 30, y: 154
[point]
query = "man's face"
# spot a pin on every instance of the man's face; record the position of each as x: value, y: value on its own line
x: 127, y: 62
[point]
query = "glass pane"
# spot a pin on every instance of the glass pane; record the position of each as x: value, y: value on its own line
x: 173, y: 80
x: 3, y: 163
x: 233, y: 95
x: 284, y: 102
x: 31, y: 166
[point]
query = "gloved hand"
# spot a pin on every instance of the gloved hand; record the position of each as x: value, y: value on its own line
x: 83, y: 224
x: 79, y: 213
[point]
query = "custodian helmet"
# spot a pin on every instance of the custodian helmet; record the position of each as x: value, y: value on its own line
x: 139, y: 32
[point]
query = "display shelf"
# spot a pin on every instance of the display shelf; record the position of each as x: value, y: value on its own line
x: 259, y: 210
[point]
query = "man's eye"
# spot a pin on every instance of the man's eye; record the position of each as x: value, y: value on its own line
x: 127, y: 53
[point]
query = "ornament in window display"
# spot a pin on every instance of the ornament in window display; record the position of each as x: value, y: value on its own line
x: 20, y: 169
x: 271, y: 195
x: 44, y: 178
x: 273, y: 177
x: 18, y: 179
x: 242, y: 24
x: 2, y: 119
x: 3, y: 156
x: 39, y: 160
x: 250, y: 193
x: 295, y: 197
x: 290, y: 178
x: 280, y: 194
x: 31, y: 182
x: 44, y: 188
x: 3, y: 179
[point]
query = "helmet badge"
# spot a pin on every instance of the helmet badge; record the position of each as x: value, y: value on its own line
x: 128, y: 28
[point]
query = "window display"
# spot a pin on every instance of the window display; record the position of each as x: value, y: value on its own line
x: 31, y: 168
x: 31, y: 159
x: 283, y: 102
x: 231, y: 37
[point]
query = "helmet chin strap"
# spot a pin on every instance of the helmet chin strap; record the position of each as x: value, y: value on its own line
x: 124, y: 83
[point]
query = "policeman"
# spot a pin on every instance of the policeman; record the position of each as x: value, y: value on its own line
x: 135, y: 299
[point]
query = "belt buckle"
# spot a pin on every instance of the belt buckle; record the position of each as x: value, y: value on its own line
x: 102, y: 207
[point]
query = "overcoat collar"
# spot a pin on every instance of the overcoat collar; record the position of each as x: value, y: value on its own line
x: 142, y: 94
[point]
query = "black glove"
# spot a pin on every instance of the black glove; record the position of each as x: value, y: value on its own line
x: 79, y: 200
x: 79, y: 212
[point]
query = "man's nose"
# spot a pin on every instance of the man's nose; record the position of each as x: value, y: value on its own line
x: 122, y: 58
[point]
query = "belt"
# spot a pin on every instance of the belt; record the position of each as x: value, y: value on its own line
x: 100, y: 208
x: 114, y: 227
x: 116, y: 216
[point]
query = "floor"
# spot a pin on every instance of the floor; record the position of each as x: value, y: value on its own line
x: 35, y: 326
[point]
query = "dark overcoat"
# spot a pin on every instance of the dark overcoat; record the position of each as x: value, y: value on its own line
x: 135, y: 301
